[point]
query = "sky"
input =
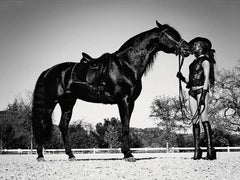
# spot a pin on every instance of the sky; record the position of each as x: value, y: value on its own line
x: 36, y: 35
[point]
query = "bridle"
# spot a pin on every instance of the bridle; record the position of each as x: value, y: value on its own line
x: 180, y: 49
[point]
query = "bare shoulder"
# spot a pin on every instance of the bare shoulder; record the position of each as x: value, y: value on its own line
x: 205, y: 62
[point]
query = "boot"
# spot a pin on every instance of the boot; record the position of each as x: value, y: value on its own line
x: 196, y: 136
x: 211, y: 152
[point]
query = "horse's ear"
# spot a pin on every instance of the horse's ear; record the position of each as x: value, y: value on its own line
x: 159, y: 25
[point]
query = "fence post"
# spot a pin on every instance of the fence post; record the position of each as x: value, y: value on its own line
x: 228, y: 149
x: 19, y: 151
x: 94, y: 151
x: 167, y: 148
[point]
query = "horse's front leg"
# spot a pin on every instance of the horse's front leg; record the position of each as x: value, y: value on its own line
x: 40, y: 153
x: 125, y: 110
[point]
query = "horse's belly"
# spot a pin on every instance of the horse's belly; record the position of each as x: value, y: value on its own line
x: 91, y: 93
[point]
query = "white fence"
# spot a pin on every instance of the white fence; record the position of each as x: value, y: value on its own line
x: 118, y: 150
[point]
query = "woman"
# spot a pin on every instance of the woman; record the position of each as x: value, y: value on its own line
x: 201, y: 77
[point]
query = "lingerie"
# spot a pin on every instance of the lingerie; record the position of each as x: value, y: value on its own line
x: 194, y: 93
x: 196, y: 72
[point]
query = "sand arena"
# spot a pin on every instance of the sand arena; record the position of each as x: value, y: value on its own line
x: 111, y: 166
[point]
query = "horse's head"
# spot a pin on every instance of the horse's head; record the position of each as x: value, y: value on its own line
x: 172, y: 41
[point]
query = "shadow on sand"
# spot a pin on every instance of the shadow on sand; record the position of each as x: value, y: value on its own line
x: 105, y: 159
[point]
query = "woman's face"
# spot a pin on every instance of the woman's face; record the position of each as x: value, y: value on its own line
x: 197, y: 48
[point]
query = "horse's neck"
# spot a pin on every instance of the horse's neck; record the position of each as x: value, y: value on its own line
x: 140, y: 58
x: 138, y: 53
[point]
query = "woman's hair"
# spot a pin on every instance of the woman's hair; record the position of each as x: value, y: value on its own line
x: 206, y: 46
x: 212, y: 61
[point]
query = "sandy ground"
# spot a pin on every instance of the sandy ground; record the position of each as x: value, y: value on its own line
x: 111, y: 166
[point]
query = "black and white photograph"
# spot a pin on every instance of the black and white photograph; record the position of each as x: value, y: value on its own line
x: 119, y: 89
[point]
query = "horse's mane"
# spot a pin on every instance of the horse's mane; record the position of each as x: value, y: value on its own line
x: 136, y: 44
x: 135, y: 40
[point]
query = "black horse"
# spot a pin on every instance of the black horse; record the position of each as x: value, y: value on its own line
x: 111, y: 79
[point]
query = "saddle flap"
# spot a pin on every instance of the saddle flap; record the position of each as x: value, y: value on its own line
x: 94, y: 73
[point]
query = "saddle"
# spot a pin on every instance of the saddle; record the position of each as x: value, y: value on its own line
x: 92, y: 70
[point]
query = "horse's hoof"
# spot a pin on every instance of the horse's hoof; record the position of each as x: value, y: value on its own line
x: 72, y: 159
x: 41, y: 159
x: 130, y: 159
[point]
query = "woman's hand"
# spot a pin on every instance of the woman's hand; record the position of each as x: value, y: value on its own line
x: 181, y: 77
x: 203, y: 97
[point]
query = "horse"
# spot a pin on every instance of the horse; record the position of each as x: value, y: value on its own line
x: 110, y: 79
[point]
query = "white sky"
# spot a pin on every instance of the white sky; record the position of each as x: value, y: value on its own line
x: 35, y: 35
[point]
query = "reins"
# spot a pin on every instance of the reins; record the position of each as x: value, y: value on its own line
x: 198, y: 112
x: 181, y: 96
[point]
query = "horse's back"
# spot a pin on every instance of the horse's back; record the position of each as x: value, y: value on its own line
x: 58, y: 68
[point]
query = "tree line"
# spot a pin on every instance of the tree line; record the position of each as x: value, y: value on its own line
x: 172, y: 128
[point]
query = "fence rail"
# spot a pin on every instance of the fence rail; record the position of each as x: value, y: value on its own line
x: 118, y: 150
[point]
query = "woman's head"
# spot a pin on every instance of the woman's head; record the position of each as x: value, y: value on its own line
x: 200, y: 45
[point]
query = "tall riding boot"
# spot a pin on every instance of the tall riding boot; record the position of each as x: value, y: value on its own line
x: 211, y: 152
x: 196, y: 136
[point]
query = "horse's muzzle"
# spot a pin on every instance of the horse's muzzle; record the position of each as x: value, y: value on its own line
x: 183, y: 52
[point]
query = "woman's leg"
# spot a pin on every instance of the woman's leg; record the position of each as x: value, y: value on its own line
x: 196, y: 129
x: 204, y: 112
x: 211, y: 152
x: 193, y: 105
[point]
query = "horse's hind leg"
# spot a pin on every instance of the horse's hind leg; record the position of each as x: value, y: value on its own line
x: 66, y: 105
x: 46, y: 127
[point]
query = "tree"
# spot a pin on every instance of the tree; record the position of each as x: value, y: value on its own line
x: 221, y: 138
x: 180, y: 141
x: 80, y: 137
x: 135, y: 139
x: 56, y: 139
x: 225, y: 101
x: 108, y: 134
x: 7, y: 134
x: 15, y: 125
x: 99, y: 135
x: 112, y: 137
x: 166, y: 111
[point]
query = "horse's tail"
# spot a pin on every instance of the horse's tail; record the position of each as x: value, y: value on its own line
x: 41, y: 120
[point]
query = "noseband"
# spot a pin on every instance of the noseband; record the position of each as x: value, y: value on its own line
x: 179, y: 43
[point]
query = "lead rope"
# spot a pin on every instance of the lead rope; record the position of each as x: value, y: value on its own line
x: 181, y: 96
x: 198, y: 112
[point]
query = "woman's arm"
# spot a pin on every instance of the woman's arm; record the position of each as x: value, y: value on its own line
x: 206, y: 69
